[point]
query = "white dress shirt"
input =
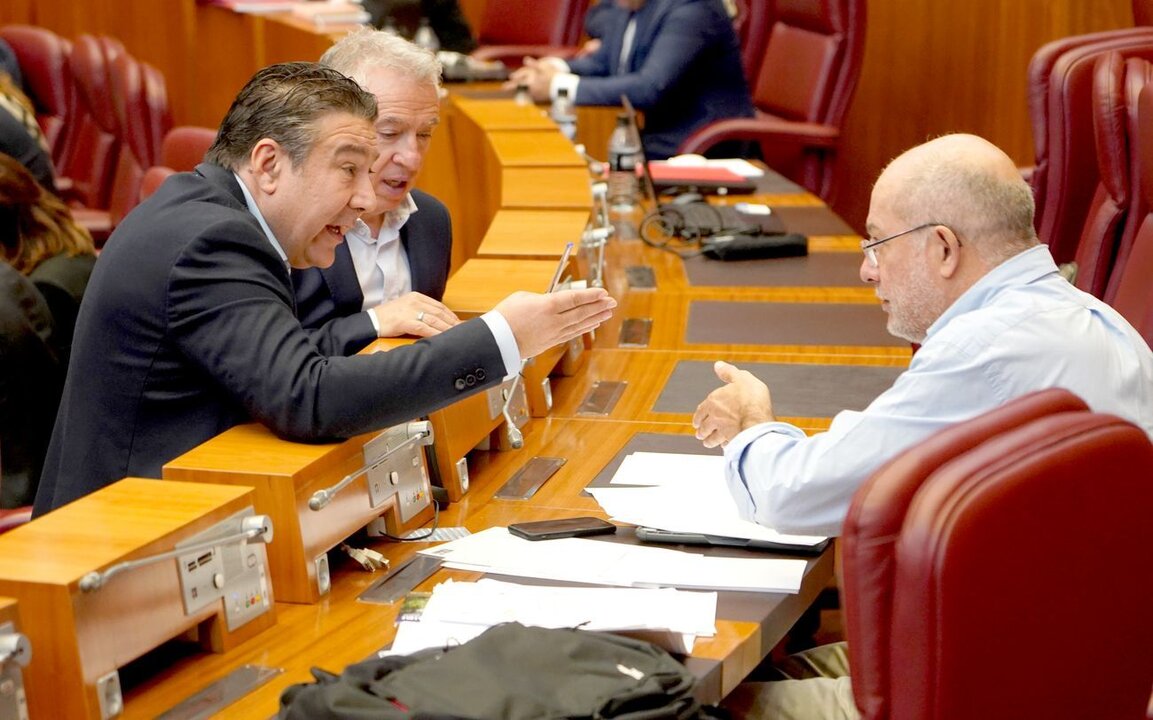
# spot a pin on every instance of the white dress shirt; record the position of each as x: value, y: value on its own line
x: 1020, y: 328
x: 380, y: 261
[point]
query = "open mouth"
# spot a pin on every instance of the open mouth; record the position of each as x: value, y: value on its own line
x: 334, y: 230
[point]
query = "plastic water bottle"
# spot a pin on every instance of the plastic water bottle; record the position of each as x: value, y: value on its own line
x: 563, y: 113
x: 624, y: 153
x: 425, y: 37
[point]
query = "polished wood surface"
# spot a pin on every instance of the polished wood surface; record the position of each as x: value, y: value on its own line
x: 283, y: 476
x: 341, y: 630
x: 532, y: 234
x: 78, y: 637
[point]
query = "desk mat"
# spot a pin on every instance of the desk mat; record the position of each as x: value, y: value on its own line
x: 801, y: 390
x: 823, y: 269
x: 769, y: 323
x: 651, y: 442
x: 811, y: 220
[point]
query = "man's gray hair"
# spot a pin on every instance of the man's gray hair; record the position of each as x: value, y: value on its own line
x: 993, y: 210
x: 366, y: 48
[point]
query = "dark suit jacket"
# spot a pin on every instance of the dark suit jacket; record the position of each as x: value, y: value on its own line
x: 329, y: 300
x: 30, y: 381
x: 684, y: 69
x: 187, y: 329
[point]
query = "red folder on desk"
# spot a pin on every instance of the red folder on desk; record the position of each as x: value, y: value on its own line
x: 702, y: 177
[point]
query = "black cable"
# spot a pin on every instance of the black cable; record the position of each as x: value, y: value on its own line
x: 425, y: 536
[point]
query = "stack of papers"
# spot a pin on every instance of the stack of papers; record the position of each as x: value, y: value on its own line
x: 683, y: 493
x: 332, y: 13
x: 609, y: 563
x: 458, y: 611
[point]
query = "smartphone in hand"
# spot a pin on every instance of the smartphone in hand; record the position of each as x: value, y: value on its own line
x: 565, y: 527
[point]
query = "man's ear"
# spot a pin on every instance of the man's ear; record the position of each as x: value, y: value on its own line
x: 946, y: 250
x: 266, y: 163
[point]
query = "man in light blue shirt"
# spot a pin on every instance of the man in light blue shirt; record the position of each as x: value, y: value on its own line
x: 957, y: 265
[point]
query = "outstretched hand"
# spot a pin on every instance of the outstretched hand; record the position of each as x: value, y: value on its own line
x: 414, y: 314
x: 540, y: 322
x: 742, y: 402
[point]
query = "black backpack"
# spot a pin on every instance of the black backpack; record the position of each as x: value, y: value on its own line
x: 509, y: 672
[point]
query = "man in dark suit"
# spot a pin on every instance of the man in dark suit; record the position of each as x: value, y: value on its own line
x: 679, y: 61
x: 394, y: 262
x: 188, y: 328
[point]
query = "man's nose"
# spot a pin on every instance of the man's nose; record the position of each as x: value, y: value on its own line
x: 364, y: 193
x: 868, y: 272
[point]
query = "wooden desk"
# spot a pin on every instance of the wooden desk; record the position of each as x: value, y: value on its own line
x: 340, y: 630
x: 81, y: 638
x: 532, y: 234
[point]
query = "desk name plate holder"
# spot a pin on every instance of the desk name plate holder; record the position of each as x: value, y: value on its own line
x: 635, y: 332
x: 526, y: 481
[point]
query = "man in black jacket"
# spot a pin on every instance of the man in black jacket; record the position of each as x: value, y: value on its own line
x: 188, y: 325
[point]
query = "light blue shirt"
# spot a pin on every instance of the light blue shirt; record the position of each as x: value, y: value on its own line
x: 1020, y: 328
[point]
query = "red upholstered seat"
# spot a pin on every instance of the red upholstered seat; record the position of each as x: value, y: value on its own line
x: 802, y: 89
x: 184, y: 146
x: 14, y: 517
x: 1015, y: 532
x: 154, y: 177
x: 1130, y: 290
x: 1108, y: 225
x: 753, y: 21
x: 1065, y: 175
x: 1143, y: 15
x: 44, y: 62
x: 873, y: 525
x: 141, y: 101
x: 509, y: 30
x: 94, y: 143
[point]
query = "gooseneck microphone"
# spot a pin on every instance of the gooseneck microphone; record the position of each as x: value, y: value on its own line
x: 417, y: 432
x: 253, y: 527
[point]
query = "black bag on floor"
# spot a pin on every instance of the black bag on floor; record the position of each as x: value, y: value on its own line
x: 510, y: 672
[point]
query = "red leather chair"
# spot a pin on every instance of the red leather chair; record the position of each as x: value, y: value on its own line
x: 808, y: 73
x: 752, y: 23
x: 44, y: 61
x: 94, y: 145
x: 142, y: 112
x: 1064, y: 176
x: 153, y: 178
x: 510, y: 30
x: 873, y: 525
x: 14, y: 517
x: 1117, y: 82
x: 1020, y: 542
x: 1143, y: 15
x: 184, y: 146
x: 1130, y: 290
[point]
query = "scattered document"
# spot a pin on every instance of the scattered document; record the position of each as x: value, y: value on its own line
x: 682, y: 493
x: 609, y: 563
x: 670, y: 618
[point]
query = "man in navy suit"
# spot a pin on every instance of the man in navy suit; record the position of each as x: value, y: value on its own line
x: 679, y: 61
x: 188, y: 324
x: 390, y: 273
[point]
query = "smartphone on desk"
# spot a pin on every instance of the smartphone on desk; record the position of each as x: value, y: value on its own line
x: 563, y: 528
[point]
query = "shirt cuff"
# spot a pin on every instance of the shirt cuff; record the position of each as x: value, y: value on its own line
x: 375, y: 322
x: 564, y: 80
x: 505, y: 340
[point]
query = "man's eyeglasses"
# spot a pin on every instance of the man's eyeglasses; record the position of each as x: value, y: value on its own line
x: 868, y: 244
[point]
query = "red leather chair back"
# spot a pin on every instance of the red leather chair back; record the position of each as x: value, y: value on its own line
x: 1116, y: 84
x: 1060, y: 102
x: 140, y: 99
x: 873, y: 525
x: 184, y: 147
x: 44, y: 61
x: 753, y: 22
x: 1028, y: 542
x: 811, y: 61
x: 1143, y: 15
x: 1130, y: 290
x: 154, y: 177
x: 94, y: 147
x: 532, y: 22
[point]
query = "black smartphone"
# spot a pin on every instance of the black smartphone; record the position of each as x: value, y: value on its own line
x: 563, y: 528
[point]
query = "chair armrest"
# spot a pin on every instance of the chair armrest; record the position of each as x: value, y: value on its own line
x: 513, y: 55
x: 765, y: 130
x: 14, y: 517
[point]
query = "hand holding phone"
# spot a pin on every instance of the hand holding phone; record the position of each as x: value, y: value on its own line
x: 563, y: 528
